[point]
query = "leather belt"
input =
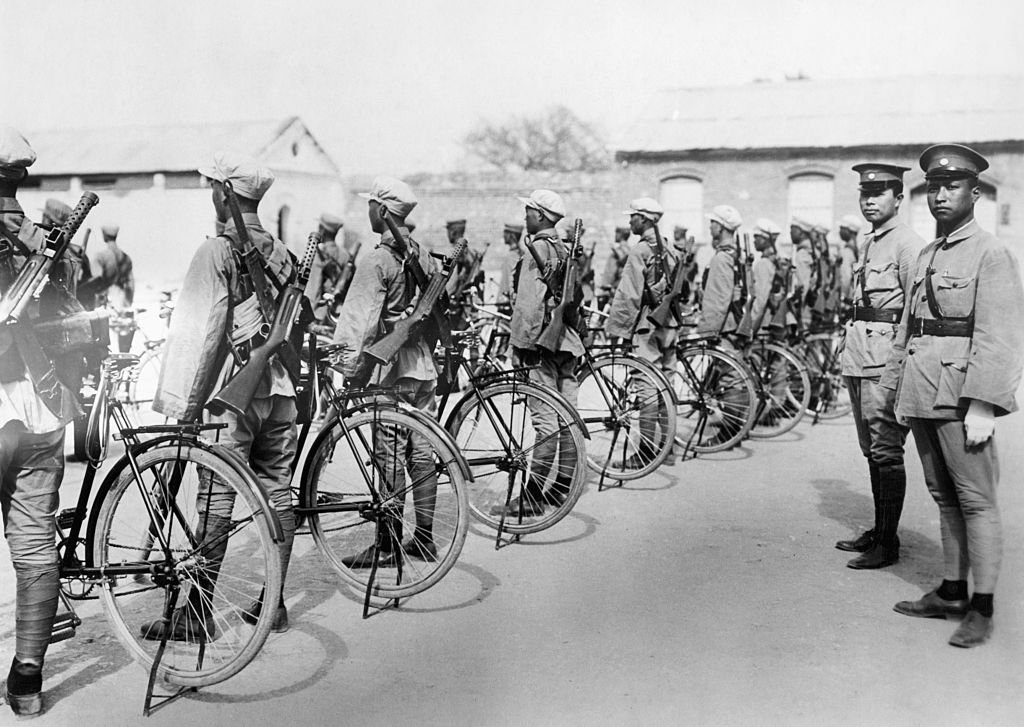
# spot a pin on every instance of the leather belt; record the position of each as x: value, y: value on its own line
x: 877, y: 315
x: 961, y: 327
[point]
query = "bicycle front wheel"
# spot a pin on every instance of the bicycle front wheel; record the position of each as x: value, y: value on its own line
x: 630, y: 413
x: 829, y: 397
x: 717, y: 400
x: 195, y: 524
x: 527, y: 454
x: 385, y: 499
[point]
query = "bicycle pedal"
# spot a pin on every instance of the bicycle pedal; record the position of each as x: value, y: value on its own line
x: 64, y: 626
x: 66, y: 518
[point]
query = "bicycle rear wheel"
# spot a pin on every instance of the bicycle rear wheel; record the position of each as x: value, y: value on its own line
x: 357, y: 493
x: 786, y: 385
x: 829, y: 397
x: 217, y: 545
x: 528, y: 470
x: 630, y: 413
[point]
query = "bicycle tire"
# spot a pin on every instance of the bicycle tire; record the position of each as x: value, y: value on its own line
x: 251, y: 561
x: 617, y: 393
x: 787, y: 386
x: 717, y: 399
x: 336, y: 476
x: 481, y: 424
x: 829, y: 397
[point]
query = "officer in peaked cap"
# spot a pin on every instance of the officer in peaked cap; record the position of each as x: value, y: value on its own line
x: 880, y: 287
x: 957, y: 362
x: 646, y: 277
x: 539, y: 281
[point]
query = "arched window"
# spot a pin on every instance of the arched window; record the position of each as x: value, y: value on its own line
x: 683, y: 200
x: 985, y: 212
x: 283, y: 216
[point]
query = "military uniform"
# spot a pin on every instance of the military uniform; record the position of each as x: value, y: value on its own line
x: 382, y: 291
x: 614, y: 265
x: 881, y: 282
x: 513, y: 253
x: 957, y: 364
x: 31, y: 442
x: 212, y: 315
x: 764, y: 272
x: 721, y: 293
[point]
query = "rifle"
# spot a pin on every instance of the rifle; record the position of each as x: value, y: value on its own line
x: 347, y: 273
x: 552, y: 334
x: 669, y: 307
x: 440, y: 311
x: 385, y: 350
x: 236, y: 395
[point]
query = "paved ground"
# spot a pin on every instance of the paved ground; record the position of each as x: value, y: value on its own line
x: 707, y: 595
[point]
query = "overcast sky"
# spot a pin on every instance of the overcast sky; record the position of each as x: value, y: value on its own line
x: 390, y: 87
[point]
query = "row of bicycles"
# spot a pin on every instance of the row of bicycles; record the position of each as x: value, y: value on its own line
x: 505, y: 452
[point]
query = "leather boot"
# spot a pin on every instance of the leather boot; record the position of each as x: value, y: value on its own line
x: 866, y: 540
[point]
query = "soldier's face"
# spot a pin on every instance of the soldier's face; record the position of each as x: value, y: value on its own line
x: 535, y: 221
x: 762, y: 242
x: 376, y: 223
x: 220, y: 205
x: 952, y: 200
x: 716, y: 230
x: 879, y: 206
x: 679, y: 234
x: 796, y: 234
x: 636, y: 224
x: 455, y: 232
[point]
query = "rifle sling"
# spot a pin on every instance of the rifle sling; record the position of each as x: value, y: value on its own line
x: 43, y: 375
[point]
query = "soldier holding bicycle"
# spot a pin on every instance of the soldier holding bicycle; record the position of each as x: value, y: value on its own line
x: 31, y: 439
x: 382, y: 292
x: 217, y: 321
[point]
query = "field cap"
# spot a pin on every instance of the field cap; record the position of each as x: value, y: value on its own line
x: 726, y: 215
x: 646, y: 207
x: 766, y: 227
x: 248, y: 178
x: 16, y: 155
x: 851, y: 223
x: 110, y: 231
x: 393, y: 194
x: 331, y: 223
x: 802, y: 224
x: 55, y: 212
x: 548, y: 202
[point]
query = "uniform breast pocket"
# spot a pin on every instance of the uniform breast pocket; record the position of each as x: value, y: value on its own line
x: 951, y: 381
x: 955, y: 294
x: 883, y: 276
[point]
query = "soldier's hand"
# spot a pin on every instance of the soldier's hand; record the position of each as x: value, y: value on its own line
x: 979, y: 423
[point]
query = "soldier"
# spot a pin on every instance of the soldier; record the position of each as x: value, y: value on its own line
x: 55, y: 214
x: 849, y: 228
x: 803, y: 257
x: 957, y: 363
x: 328, y: 263
x: 613, y: 266
x: 382, y: 291
x: 719, y: 312
x: 31, y: 442
x: 542, y: 266
x: 881, y: 284
x: 511, y: 236
x: 765, y: 273
x: 218, y: 304
x: 113, y: 284
x: 646, y: 277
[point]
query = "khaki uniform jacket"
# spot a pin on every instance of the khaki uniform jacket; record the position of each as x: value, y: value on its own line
x: 849, y: 259
x: 613, y: 268
x: 803, y: 266
x: 884, y: 274
x: 382, y: 290
x: 937, y: 376
x: 643, y: 268
x: 720, y: 291
x: 764, y: 277
x: 196, y: 356
x: 532, y: 304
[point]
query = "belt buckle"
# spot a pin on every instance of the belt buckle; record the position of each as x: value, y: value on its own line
x: 917, y: 328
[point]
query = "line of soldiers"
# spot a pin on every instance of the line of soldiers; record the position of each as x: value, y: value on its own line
x: 932, y: 345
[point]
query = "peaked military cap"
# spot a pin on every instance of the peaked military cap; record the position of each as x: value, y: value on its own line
x: 951, y: 161
x: 878, y: 176
x: 455, y: 223
x: 514, y: 228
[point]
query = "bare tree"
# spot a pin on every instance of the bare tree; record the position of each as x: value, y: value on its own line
x: 556, y: 140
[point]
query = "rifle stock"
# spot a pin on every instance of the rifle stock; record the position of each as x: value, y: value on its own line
x: 385, y: 350
x: 551, y: 336
x: 347, y: 273
x: 668, y: 310
x: 236, y: 395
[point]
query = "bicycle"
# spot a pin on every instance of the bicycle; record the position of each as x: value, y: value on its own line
x: 822, y: 352
x: 523, y: 442
x: 353, y: 490
x: 784, y: 387
x: 154, y: 538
